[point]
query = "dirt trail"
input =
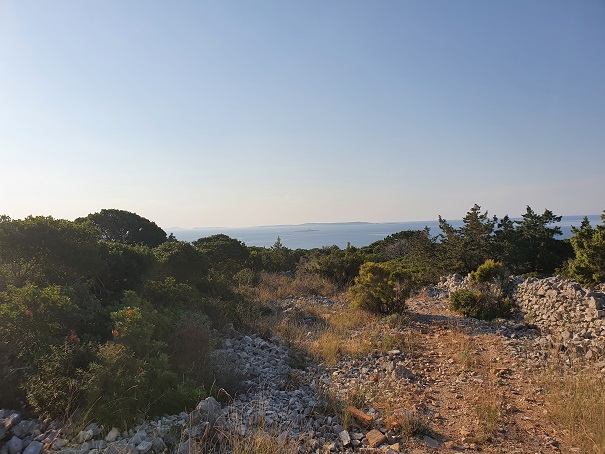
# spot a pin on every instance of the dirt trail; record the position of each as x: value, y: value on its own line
x: 479, y: 391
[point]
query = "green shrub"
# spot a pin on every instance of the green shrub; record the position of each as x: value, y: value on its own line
x: 489, y: 271
x: 481, y: 302
x: 182, y: 261
x: 170, y: 293
x: 56, y: 385
x: 465, y: 302
x: 34, y: 318
x: 189, y: 346
x: 486, y: 297
x: 339, y: 266
x: 135, y: 329
x: 125, y: 267
x: 380, y: 288
x: 115, y: 387
x: 119, y: 387
x: 246, y: 277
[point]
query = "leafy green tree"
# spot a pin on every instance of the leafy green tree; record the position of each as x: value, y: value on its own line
x: 227, y: 256
x: 47, y: 251
x: 588, y: 266
x: 469, y: 246
x: 222, y: 248
x: 119, y: 226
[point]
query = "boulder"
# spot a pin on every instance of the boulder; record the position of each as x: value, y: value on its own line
x: 35, y: 447
x: 14, y: 445
x: 112, y: 435
x: 375, y: 438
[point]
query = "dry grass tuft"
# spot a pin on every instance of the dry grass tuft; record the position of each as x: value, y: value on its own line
x: 273, y: 286
x: 411, y: 424
x: 261, y: 442
x: 577, y: 399
x: 489, y: 410
x: 467, y: 354
x: 236, y: 436
x: 332, y: 403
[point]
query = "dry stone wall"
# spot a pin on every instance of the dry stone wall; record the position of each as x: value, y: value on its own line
x: 570, y: 316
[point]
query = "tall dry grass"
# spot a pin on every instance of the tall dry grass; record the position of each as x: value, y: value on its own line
x: 489, y: 399
x: 273, y: 286
x: 489, y: 408
x: 577, y: 402
x: 239, y: 435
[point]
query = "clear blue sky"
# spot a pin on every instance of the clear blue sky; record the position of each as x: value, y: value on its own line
x: 239, y: 113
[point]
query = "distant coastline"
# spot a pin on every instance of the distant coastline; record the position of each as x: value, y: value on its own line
x: 317, y: 235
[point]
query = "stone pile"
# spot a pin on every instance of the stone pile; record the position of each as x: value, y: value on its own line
x: 449, y: 284
x: 288, y: 402
x: 32, y: 436
x: 271, y: 396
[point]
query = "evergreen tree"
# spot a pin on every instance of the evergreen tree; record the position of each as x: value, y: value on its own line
x: 472, y: 244
x: 588, y: 243
x: 537, y: 250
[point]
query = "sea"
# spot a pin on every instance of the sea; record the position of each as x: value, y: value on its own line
x: 317, y: 235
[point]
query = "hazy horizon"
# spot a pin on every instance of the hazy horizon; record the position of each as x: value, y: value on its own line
x: 594, y: 217
x: 238, y: 113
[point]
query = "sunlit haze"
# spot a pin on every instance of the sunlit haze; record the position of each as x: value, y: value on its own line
x: 242, y: 113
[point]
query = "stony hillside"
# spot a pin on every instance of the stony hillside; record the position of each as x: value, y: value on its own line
x: 334, y: 380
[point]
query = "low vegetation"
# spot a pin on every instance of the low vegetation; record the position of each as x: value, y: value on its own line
x: 486, y: 297
x: 109, y: 318
x: 577, y: 400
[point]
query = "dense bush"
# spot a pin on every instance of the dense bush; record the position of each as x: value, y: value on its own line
x: 88, y: 325
x: 487, y: 296
x: 339, y: 266
x: 466, y: 302
x: 380, y: 288
x: 489, y: 271
x: 125, y: 267
x: 183, y: 262
x: 480, y: 303
x: 46, y: 251
x: 56, y: 384
x: 119, y: 226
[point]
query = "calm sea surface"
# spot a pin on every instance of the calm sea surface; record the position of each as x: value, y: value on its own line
x: 309, y: 236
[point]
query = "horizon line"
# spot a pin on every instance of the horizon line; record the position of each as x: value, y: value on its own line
x: 344, y: 222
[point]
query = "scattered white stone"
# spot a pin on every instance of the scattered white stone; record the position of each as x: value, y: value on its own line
x: 112, y: 435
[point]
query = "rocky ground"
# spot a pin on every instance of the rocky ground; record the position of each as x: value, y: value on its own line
x: 443, y: 383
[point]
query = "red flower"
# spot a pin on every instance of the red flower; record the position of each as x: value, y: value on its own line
x: 29, y: 313
x: 115, y: 333
x: 73, y: 337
